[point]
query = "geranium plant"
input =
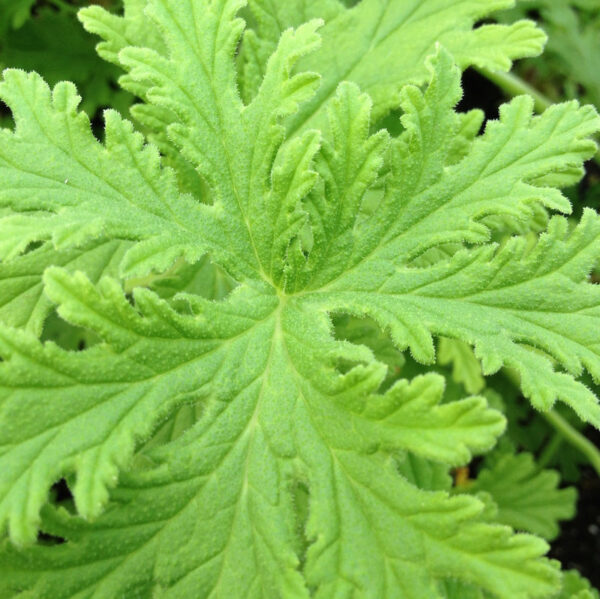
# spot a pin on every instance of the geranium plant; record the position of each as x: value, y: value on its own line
x: 252, y: 271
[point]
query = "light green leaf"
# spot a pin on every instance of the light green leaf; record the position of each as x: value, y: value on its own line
x: 577, y: 587
x: 362, y: 331
x: 357, y: 46
x: 423, y: 473
x: 444, y: 433
x: 267, y: 20
x: 466, y: 369
x: 202, y: 278
x: 468, y: 129
x: 135, y: 29
x: 289, y: 483
x: 69, y: 188
x: 198, y: 84
x: 132, y: 28
x: 279, y: 419
x: 22, y: 301
x: 427, y: 203
x: 527, y: 499
x: 138, y: 544
x: 459, y: 590
x: 109, y: 393
x: 366, y: 273
x: 348, y: 168
x: 492, y: 301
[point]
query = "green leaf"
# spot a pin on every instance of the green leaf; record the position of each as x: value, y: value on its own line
x: 252, y: 417
x: 466, y: 369
x: 136, y: 30
x: 444, y: 433
x: 22, y: 301
x: 202, y: 278
x: 54, y: 45
x: 505, y: 173
x: 357, y: 44
x: 120, y: 31
x: 348, y: 167
x: 288, y: 482
x: 167, y: 533
x: 13, y: 13
x: 111, y: 393
x: 411, y: 303
x: 249, y: 137
x: 362, y: 331
x: 366, y: 273
x: 573, y: 44
x: 69, y: 188
x: 458, y: 590
x: 439, y: 19
x: 528, y: 499
x: 570, y: 64
x: 423, y: 473
x: 577, y: 587
x: 374, y: 30
x: 267, y: 20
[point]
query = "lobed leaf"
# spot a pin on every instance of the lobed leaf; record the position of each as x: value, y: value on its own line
x: 61, y: 184
x: 227, y: 485
x: 22, y: 300
x: 298, y: 475
x: 527, y: 499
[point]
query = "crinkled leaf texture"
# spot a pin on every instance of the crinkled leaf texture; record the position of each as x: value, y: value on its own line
x: 525, y: 497
x: 357, y: 46
x: 288, y: 483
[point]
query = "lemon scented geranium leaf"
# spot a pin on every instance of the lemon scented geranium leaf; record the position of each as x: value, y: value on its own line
x: 287, y: 480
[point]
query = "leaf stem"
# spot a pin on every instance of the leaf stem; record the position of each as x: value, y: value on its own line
x: 550, y: 450
x: 512, y: 85
x: 515, y: 86
x: 574, y: 438
x: 562, y: 427
x: 63, y: 5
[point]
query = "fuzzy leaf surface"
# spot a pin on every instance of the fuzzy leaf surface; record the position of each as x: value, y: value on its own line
x: 527, y: 499
x: 288, y: 484
x: 357, y: 43
x: 22, y: 300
